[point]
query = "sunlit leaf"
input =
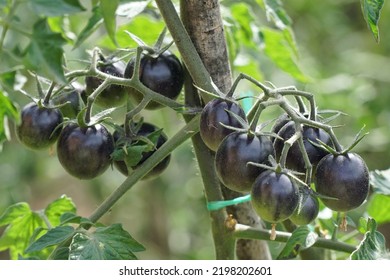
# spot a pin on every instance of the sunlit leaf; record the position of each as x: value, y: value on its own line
x: 373, y: 246
x: 59, y: 206
x: 371, y: 12
x: 279, y: 48
x: 21, y: 223
x: 303, y: 237
x: 106, y: 243
x: 378, y: 208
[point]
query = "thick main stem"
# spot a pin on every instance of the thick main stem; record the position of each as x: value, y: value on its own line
x: 204, y: 25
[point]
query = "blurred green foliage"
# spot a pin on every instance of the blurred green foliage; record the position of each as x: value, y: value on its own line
x: 333, y: 54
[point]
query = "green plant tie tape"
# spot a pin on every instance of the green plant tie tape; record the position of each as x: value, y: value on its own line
x: 216, y: 205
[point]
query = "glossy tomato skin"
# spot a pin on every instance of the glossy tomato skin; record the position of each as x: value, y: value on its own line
x: 113, y: 95
x: 37, y: 129
x: 145, y: 130
x: 164, y: 75
x: 344, y: 177
x: 274, y: 196
x: 85, y: 152
x: 308, y: 212
x: 294, y: 158
x: 213, y: 114
x: 233, y: 154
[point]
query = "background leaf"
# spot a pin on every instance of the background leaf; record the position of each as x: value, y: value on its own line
x: 373, y: 245
x: 280, y: 48
x: 108, y: 9
x: 106, y: 243
x: 302, y: 237
x: 92, y: 25
x: 44, y: 53
x: 132, y: 8
x: 56, y: 8
x: 276, y: 13
x: 380, y: 181
x: 379, y: 208
x: 7, y: 111
x: 371, y: 12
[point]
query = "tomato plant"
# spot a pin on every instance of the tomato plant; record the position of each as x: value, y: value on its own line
x: 268, y: 154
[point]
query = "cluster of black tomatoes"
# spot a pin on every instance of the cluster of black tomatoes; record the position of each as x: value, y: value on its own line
x: 86, y: 150
x: 242, y: 158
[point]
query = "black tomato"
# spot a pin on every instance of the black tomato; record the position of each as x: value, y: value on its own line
x: 163, y: 74
x: 38, y: 128
x: 213, y: 114
x: 274, y: 196
x: 281, y: 121
x: 85, y: 152
x: 345, y: 178
x: 308, y: 212
x: 71, y: 99
x: 113, y: 95
x: 294, y: 158
x: 145, y: 130
x: 233, y: 154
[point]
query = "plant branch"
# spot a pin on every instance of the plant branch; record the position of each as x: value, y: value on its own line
x: 243, y: 231
x: 189, y: 130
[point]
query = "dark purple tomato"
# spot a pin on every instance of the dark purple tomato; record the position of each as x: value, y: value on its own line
x: 294, y: 158
x: 281, y: 121
x: 163, y: 74
x: 274, y: 196
x: 345, y: 178
x: 145, y: 130
x: 215, y: 113
x: 113, y: 95
x: 70, y: 101
x: 233, y: 154
x: 307, y: 213
x: 85, y: 152
x: 38, y: 128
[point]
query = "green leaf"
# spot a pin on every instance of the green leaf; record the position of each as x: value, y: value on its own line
x: 378, y: 208
x: 22, y: 223
x: 52, y: 8
x: 380, y: 181
x: 93, y: 24
x: 275, y: 12
x: 44, y: 53
x: 281, y: 49
x: 59, y: 206
x: 132, y: 9
x: 14, y: 212
x: 7, y: 111
x: 108, y: 9
x: 141, y: 22
x: 373, y: 246
x: 51, y: 237
x: 303, y: 237
x: 371, y: 11
x: 106, y: 243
